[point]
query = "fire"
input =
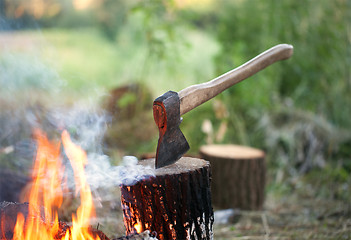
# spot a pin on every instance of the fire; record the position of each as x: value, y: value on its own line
x: 47, y: 191
x: 138, y: 227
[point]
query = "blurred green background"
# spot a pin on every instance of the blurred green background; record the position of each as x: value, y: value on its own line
x: 298, y: 110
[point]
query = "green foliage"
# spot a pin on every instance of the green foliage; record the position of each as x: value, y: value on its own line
x: 333, y: 182
x: 316, y: 79
x: 128, y: 98
x: 301, y: 140
x: 111, y: 15
x: 318, y: 32
x: 161, y: 28
x: 68, y: 19
x: 91, y: 65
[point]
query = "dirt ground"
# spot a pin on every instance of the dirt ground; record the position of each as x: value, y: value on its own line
x: 295, y: 216
x: 291, y: 218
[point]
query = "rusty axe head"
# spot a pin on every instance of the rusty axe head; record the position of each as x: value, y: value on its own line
x: 171, y: 143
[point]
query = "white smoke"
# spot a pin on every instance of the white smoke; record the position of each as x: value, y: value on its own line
x: 87, y: 125
x: 24, y: 79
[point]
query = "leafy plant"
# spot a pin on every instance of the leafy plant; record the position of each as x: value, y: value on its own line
x: 314, y: 82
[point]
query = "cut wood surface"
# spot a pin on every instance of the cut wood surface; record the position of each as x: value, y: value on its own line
x: 175, y: 203
x: 238, y: 176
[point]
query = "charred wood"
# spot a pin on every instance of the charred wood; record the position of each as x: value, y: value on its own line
x: 175, y: 203
x: 8, y: 218
x: 146, y: 235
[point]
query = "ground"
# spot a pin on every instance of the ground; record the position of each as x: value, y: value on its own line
x: 293, y: 219
x: 301, y: 214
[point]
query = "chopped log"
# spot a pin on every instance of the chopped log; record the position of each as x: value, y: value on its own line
x: 175, y: 203
x: 238, y: 176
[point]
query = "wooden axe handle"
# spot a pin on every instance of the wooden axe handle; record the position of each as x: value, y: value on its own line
x: 195, y: 95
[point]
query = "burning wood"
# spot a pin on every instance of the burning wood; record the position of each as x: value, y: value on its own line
x: 8, y: 217
x: 176, y: 203
x: 38, y: 217
x: 47, y: 191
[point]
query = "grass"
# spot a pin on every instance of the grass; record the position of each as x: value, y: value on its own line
x: 90, y: 64
x: 84, y: 59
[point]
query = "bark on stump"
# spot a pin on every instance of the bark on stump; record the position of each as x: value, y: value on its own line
x: 175, y: 203
x: 238, y: 176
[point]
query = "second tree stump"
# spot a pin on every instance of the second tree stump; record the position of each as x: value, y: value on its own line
x: 238, y: 176
x: 175, y: 203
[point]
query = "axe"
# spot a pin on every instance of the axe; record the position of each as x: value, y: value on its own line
x: 169, y: 107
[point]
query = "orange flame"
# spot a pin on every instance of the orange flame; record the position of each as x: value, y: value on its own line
x: 47, y: 191
x: 138, y: 227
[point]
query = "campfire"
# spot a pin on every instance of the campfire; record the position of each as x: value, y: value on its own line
x: 45, y: 195
x: 159, y: 215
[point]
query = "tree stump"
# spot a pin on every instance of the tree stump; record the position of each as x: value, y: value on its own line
x: 238, y: 176
x: 175, y: 203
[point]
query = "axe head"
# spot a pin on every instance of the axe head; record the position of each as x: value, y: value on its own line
x: 171, y: 143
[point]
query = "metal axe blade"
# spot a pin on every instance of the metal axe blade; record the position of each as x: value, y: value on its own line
x: 171, y: 143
